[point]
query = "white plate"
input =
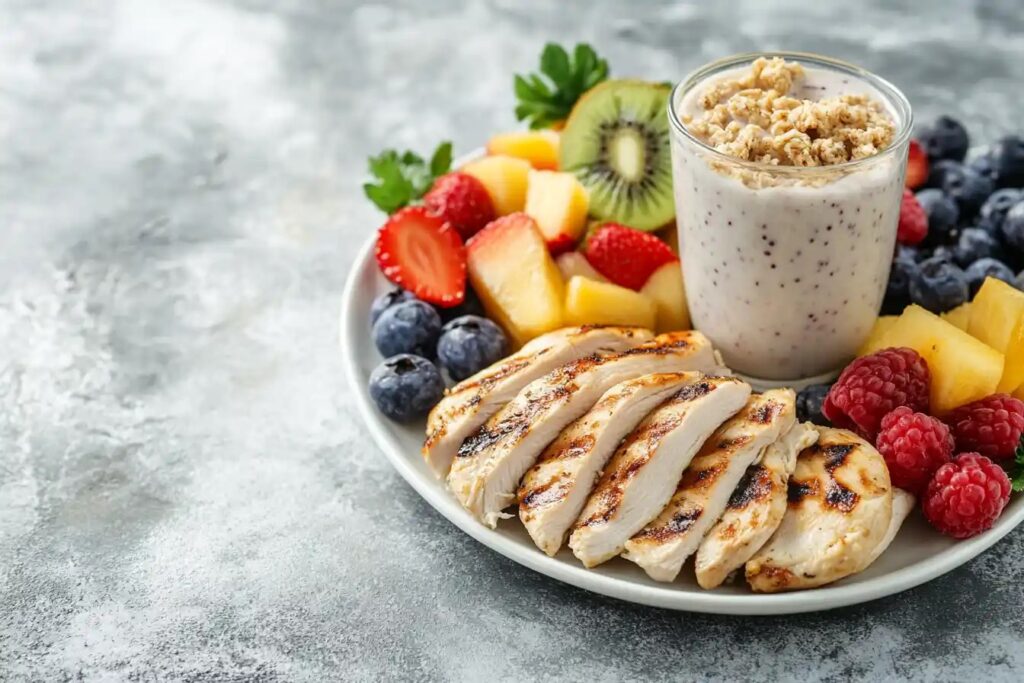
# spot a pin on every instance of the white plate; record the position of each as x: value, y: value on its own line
x: 917, y: 555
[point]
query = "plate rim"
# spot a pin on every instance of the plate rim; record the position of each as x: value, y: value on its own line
x: 353, y: 322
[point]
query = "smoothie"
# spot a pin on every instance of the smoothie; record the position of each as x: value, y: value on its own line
x: 788, y: 178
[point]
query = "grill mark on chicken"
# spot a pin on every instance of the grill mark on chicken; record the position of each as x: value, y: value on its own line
x: 798, y: 490
x: 574, y: 449
x: 766, y: 412
x: 835, y: 455
x: 679, y: 524
x: 755, y: 485
x: 693, y: 391
x: 515, y: 425
x: 700, y: 479
x: 839, y: 497
x: 545, y: 494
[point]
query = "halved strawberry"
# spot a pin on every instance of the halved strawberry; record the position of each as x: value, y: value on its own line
x: 423, y: 253
x: 917, y: 166
x: 626, y: 256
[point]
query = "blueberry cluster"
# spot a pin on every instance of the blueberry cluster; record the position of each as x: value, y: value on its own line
x: 415, y: 338
x: 975, y: 210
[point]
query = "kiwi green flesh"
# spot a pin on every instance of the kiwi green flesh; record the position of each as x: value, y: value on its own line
x: 617, y: 142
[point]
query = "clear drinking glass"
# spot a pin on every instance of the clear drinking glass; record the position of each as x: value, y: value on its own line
x: 786, y: 266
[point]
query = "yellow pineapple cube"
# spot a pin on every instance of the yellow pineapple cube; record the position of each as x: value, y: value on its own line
x: 997, y: 318
x: 876, y: 340
x: 665, y: 288
x: 504, y: 178
x: 517, y: 280
x: 959, y: 316
x: 588, y: 302
x: 558, y: 202
x: 963, y: 369
x: 537, y: 147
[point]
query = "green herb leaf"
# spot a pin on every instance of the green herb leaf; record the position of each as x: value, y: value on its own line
x: 1017, y: 469
x: 543, y: 101
x: 400, y: 179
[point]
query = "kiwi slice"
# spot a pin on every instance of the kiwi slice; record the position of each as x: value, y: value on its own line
x: 616, y: 141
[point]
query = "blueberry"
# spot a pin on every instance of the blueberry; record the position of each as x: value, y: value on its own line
x: 387, y: 300
x: 938, y: 285
x: 1008, y: 161
x: 1018, y: 282
x: 897, y: 291
x: 405, y: 386
x: 984, y: 165
x: 943, y: 215
x: 808, y: 404
x: 937, y: 172
x: 1013, y: 227
x: 944, y: 253
x: 408, y: 327
x: 908, y: 253
x: 945, y: 139
x: 993, y: 211
x: 986, y: 267
x: 974, y: 244
x: 967, y: 188
x: 468, y: 345
x: 470, y: 306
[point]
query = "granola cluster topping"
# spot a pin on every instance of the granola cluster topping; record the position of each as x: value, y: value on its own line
x: 755, y: 118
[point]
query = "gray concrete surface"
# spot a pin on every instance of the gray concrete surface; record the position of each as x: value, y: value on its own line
x: 186, y: 491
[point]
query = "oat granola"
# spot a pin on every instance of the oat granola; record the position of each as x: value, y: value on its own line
x: 755, y: 118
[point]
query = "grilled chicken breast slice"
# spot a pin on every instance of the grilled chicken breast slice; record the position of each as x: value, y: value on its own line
x: 663, y: 546
x: 556, y: 487
x: 489, y: 465
x: 902, y: 505
x: 840, y: 506
x: 469, y: 404
x: 646, y: 467
x: 754, y: 511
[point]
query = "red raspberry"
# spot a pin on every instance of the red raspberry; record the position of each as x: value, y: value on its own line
x: 991, y: 426
x: 462, y: 200
x: 914, y: 445
x: 873, y: 386
x: 913, y: 225
x: 966, y: 496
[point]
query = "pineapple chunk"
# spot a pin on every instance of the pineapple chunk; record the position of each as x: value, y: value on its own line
x: 1019, y: 393
x: 959, y: 316
x: 517, y: 280
x: 504, y: 178
x: 997, y: 318
x: 876, y: 340
x: 538, y: 147
x: 588, y: 302
x: 558, y: 202
x: 574, y: 263
x: 963, y: 369
x: 665, y: 288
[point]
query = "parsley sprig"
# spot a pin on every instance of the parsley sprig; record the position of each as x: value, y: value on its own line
x: 1017, y: 469
x: 400, y: 179
x: 542, y: 101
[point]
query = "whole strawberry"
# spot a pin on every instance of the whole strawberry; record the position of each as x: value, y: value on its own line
x: 873, y: 386
x: 913, y: 225
x: 991, y: 426
x: 626, y: 256
x: 966, y: 496
x: 462, y: 200
x: 914, y: 445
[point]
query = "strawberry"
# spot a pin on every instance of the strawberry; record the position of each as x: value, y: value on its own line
x: 917, y: 166
x: 462, y: 200
x: 423, y: 253
x: 913, y: 225
x: 626, y: 256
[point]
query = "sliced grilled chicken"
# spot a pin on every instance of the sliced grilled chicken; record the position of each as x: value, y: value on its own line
x: 755, y: 509
x: 554, y: 490
x: 646, y: 467
x: 489, y: 464
x: 469, y: 404
x: 663, y: 546
x: 902, y: 505
x: 840, y: 506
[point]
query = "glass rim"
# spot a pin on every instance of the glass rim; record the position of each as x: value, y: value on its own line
x: 896, y: 98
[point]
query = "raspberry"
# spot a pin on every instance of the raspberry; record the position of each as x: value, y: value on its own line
x: 966, y: 495
x: 913, y: 224
x: 991, y: 426
x: 462, y: 200
x: 873, y: 386
x: 914, y: 445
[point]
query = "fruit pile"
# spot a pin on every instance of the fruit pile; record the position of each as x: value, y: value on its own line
x: 965, y: 223
x: 554, y: 226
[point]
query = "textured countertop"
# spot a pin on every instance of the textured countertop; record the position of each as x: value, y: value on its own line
x: 186, y: 490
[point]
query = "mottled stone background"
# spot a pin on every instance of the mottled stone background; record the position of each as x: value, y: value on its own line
x: 186, y: 491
